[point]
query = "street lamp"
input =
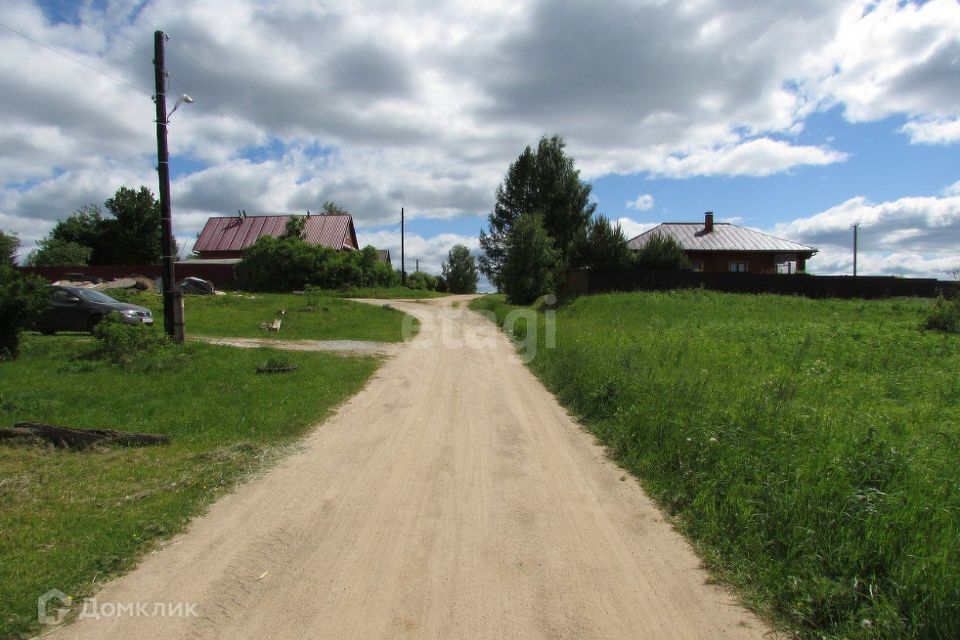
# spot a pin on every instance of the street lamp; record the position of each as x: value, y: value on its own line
x: 184, y: 99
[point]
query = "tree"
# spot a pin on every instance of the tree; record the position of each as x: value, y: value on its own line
x: 135, y: 230
x: 602, y: 246
x: 547, y: 184
x: 131, y: 236
x: 295, y: 227
x: 459, y: 271
x: 59, y: 253
x: 331, y: 208
x: 529, y: 260
x: 22, y: 298
x: 9, y: 243
x: 662, y: 252
x: 86, y: 227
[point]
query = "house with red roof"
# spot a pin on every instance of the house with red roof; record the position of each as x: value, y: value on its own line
x: 227, y: 238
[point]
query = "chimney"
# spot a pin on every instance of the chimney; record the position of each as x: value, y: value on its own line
x: 708, y: 222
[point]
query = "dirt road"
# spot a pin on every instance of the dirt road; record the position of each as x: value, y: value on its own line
x: 451, y: 498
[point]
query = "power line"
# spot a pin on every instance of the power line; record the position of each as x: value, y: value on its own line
x: 117, y: 39
x: 75, y: 60
x: 256, y: 135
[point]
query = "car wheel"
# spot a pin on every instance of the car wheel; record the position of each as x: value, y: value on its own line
x: 93, y: 322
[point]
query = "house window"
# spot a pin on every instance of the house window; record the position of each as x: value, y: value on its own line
x: 738, y: 267
x: 696, y: 265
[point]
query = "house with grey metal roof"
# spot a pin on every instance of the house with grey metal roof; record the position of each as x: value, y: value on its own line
x: 229, y: 237
x: 723, y: 246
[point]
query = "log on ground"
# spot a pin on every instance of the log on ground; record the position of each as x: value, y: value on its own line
x: 70, y: 438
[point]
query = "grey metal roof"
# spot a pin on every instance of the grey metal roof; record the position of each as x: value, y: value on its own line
x: 724, y: 237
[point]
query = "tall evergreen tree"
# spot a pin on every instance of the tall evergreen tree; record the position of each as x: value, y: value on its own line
x: 528, y: 269
x: 544, y: 183
x: 602, y: 245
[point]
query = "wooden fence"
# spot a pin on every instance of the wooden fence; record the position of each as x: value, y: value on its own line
x: 584, y: 281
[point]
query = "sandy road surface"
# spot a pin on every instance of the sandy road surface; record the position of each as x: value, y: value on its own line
x: 451, y: 498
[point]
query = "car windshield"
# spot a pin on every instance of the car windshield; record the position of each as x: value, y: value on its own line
x: 94, y: 296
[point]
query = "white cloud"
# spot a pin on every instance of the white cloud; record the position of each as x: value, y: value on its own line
x: 642, y: 202
x: 632, y: 228
x: 952, y: 190
x: 890, y: 57
x: 913, y: 236
x: 431, y: 252
x: 299, y: 102
x: 933, y: 131
x: 760, y: 157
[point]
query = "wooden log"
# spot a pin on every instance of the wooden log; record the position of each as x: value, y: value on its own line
x: 69, y: 438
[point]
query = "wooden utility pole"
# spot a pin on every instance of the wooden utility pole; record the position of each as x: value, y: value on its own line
x: 855, y: 228
x: 403, y: 267
x: 172, y: 297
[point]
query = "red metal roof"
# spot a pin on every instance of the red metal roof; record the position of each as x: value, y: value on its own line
x: 238, y: 233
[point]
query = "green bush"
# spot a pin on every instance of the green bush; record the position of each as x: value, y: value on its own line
x: 290, y: 263
x: 22, y: 298
x: 422, y: 281
x: 944, y: 315
x: 662, y: 252
x: 127, y: 344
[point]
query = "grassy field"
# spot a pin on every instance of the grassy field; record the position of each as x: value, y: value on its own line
x: 315, y: 316
x: 809, y: 448
x: 68, y: 520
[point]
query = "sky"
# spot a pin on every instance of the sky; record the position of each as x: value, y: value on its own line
x: 795, y: 117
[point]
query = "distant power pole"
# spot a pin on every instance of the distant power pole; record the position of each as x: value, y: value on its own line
x: 417, y: 270
x: 403, y: 267
x: 855, y: 227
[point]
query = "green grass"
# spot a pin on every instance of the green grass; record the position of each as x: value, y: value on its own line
x: 68, y: 519
x: 809, y: 448
x: 315, y: 316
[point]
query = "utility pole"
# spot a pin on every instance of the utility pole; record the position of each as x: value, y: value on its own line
x: 403, y: 268
x: 172, y: 298
x: 418, y: 265
x: 855, y: 227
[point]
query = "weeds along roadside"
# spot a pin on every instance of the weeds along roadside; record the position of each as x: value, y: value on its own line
x: 807, y: 447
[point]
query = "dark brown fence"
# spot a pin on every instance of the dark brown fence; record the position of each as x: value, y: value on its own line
x: 584, y: 281
x: 221, y: 275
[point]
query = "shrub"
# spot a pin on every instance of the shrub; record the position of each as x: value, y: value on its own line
x: 290, y: 263
x: 422, y: 281
x: 22, y: 298
x: 662, y: 252
x: 126, y: 344
x: 944, y: 315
